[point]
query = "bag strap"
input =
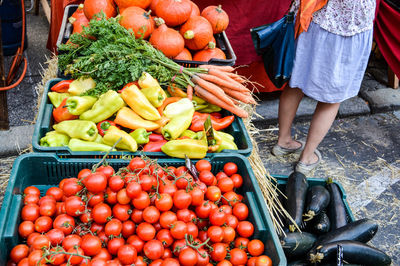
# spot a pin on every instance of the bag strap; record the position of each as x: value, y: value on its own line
x: 290, y: 6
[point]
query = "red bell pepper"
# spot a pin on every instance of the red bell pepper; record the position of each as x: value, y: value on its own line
x: 61, y: 113
x: 156, y: 137
x: 154, y: 146
x: 217, y: 123
x: 104, y: 125
x: 62, y: 86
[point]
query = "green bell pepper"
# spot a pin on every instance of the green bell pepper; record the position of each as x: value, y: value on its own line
x: 77, y: 105
x: 108, y: 104
x: 81, y: 145
x: 85, y: 130
x: 54, y: 139
x: 113, y: 134
x: 177, y: 125
x: 140, y: 135
x: 56, y: 98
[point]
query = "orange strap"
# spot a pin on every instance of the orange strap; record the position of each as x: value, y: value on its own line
x: 304, y: 15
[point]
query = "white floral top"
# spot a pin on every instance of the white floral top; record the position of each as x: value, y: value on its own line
x: 344, y: 17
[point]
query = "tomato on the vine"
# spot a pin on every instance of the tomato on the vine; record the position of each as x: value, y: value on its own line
x: 91, y: 245
x: 230, y: 168
x: 219, y: 252
x: 167, y: 218
x: 113, y: 228
x: 136, y: 242
x: 245, y: 229
x: 215, y: 233
x: 145, y: 231
x: 65, y: 223
x: 203, y: 165
x: 19, y: 252
x: 153, y: 249
x: 182, y: 199
x: 26, y: 228
x: 127, y: 254
x: 101, y: 213
x: 136, y: 163
x: 164, y: 202
x: 188, y: 257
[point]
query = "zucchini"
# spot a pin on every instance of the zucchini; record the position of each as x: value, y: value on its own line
x: 353, y: 252
x: 337, y: 211
x: 321, y: 225
x: 297, y: 244
x: 361, y: 230
x: 296, y: 191
x: 318, y: 199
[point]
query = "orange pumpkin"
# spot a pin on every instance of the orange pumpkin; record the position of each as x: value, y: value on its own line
x: 217, y: 17
x: 173, y: 12
x: 78, y: 20
x: 137, y: 19
x: 184, y: 55
x: 127, y: 3
x: 92, y: 7
x: 167, y: 40
x: 197, y: 32
x: 153, y: 5
x: 195, y: 9
x: 210, y: 52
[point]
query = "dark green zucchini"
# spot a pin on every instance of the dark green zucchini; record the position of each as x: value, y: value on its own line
x: 296, y: 191
x: 353, y: 252
x: 361, y: 230
x: 321, y: 225
x: 297, y: 244
x: 318, y: 199
x: 336, y: 209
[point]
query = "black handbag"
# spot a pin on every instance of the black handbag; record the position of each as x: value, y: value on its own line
x: 275, y: 43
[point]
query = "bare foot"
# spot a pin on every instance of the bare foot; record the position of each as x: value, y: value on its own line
x: 291, y: 144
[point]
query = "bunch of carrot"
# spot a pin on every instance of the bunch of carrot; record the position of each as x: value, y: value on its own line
x: 222, y: 87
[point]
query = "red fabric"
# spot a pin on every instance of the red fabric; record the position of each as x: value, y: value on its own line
x: 387, y: 35
x: 57, y: 13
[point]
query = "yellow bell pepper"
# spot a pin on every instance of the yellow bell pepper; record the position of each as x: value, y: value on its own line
x: 79, y: 86
x: 152, y: 90
x: 113, y: 134
x: 193, y: 148
x: 139, y: 103
x: 126, y: 117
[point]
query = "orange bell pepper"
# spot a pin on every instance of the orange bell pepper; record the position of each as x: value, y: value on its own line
x: 126, y: 117
x: 61, y: 113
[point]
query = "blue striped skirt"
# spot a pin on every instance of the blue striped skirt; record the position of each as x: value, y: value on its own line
x: 328, y: 67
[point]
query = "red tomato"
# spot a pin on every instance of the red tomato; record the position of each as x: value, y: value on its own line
x: 47, y: 209
x: 56, y: 236
x: 95, y: 198
x: 74, y: 206
x: 229, y: 234
x: 95, y: 182
x: 103, y: 255
x: 242, y: 243
x: 31, y: 198
x: 114, y: 244
x: 147, y: 182
x: 230, y: 168
x: 128, y: 228
x: 188, y: 257
x: 203, y: 258
x: 203, y: 165
x: 32, y: 190
x: 122, y: 197
x: 164, y: 202
x: 121, y: 212
x: 106, y: 170
x: 167, y: 218
x: 167, y: 254
x: 206, y: 177
x: 164, y: 235
x: 178, y: 229
x: 30, y: 212
x: 145, y: 231
x: 153, y: 249
x: 43, y: 224
x: 74, y: 259
x: 26, y: 228
x: 141, y: 201
x: 71, y: 187
x: 170, y: 262
x: 151, y: 214
x: 230, y: 197
x: 133, y: 189
x: 215, y: 233
x: 56, y: 259
x: 113, y: 228
x: 19, y: 252
x: 178, y: 246
x: 136, y: 164
x: 71, y: 241
x: 241, y: 211
x: 168, y: 188
x: 232, y: 221
x: 263, y: 260
x: 41, y: 241
x: 217, y: 217
x: 91, y: 245
x: 197, y: 196
x: 137, y: 216
x: 255, y: 247
x: 213, y: 193
x: 225, y: 184
x: 36, y: 258
x: 238, y: 256
x: 219, y: 252
x: 245, y: 229
x: 203, y: 210
x: 182, y: 199
x: 116, y: 183
x: 127, y: 254
x: 96, y: 228
x: 56, y: 192
x: 31, y: 238
x: 101, y: 213
x: 135, y: 241
x: 110, y: 196
x: 192, y: 230
x: 237, y: 180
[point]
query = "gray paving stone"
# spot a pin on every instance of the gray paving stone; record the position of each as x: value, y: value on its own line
x: 15, y: 140
x: 383, y: 100
x: 354, y: 106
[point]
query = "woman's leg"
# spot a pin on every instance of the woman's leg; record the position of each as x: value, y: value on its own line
x: 322, y: 120
x: 288, y: 104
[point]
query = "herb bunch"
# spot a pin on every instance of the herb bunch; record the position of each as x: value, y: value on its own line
x: 110, y: 54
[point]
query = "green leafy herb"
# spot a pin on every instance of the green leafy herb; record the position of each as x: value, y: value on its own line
x: 110, y: 54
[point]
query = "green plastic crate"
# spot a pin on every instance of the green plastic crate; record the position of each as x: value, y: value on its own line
x: 45, y: 121
x: 44, y: 170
